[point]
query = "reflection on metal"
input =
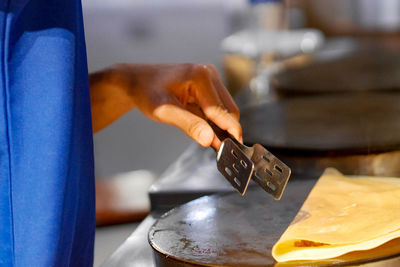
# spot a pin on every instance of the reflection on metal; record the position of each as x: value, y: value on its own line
x: 229, y: 230
x: 200, y: 215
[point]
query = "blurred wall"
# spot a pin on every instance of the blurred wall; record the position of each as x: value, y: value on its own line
x: 151, y: 31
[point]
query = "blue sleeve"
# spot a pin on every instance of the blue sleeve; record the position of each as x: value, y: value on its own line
x: 47, y: 215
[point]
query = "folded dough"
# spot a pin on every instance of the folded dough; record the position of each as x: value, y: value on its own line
x: 342, y: 215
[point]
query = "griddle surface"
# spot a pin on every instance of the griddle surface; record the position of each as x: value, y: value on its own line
x: 371, y: 69
x: 229, y: 230
x: 358, y: 123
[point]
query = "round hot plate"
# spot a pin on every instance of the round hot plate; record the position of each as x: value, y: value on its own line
x: 230, y: 230
x: 358, y: 123
x: 356, y: 133
x: 341, y: 71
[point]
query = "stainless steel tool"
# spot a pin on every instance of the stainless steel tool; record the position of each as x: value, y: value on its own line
x: 239, y: 163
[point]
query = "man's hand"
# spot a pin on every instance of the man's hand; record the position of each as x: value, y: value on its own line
x: 177, y: 94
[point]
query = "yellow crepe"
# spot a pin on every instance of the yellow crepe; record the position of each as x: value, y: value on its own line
x: 341, y: 215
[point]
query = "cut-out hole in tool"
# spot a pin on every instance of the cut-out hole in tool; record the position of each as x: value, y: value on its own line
x: 271, y: 186
x: 268, y: 171
x: 278, y: 168
x: 228, y: 171
x: 267, y: 159
x: 235, y: 167
x: 237, y: 181
x: 234, y: 153
x: 244, y: 164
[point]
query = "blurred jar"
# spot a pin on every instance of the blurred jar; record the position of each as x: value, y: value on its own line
x: 267, y: 15
x: 248, y: 54
x: 266, y: 40
x: 242, y: 51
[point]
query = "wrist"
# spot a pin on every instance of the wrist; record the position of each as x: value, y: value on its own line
x: 109, y: 98
x: 114, y: 83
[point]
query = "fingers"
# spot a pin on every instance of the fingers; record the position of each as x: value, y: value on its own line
x: 194, y: 126
x: 165, y: 92
x: 223, y: 93
x: 216, y: 143
x: 213, y: 106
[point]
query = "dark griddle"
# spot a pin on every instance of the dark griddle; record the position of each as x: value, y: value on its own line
x: 229, y: 230
x: 337, y: 124
x: 368, y: 69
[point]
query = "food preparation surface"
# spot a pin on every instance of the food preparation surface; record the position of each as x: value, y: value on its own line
x: 358, y: 123
x: 229, y: 230
x: 341, y: 70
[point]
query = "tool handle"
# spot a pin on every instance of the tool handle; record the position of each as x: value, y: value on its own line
x: 221, y: 134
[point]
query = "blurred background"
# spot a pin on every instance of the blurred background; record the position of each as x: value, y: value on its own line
x: 266, y: 51
x: 192, y: 31
x: 150, y: 32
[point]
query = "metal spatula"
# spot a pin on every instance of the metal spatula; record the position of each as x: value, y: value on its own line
x: 239, y: 163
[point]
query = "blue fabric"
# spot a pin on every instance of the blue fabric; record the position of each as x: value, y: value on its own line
x: 47, y: 215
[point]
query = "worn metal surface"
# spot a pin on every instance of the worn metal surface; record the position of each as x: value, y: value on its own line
x: 229, y: 230
x: 239, y: 163
x: 235, y: 165
x: 271, y: 173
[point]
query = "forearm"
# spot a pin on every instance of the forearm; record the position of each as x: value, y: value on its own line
x: 109, y: 100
